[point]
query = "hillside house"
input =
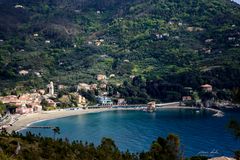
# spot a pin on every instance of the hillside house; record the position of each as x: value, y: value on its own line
x: 51, y: 103
x: 83, y: 86
x: 81, y: 100
x: 207, y: 50
x: 23, y: 72
x: 121, y: 101
x: 207, y: 88
x: 208, y: 40
x: 158, y: 36
x: 38, y: 74
x: 86, y: 87
x: 165, y: 35
x: 112, y: 76
x: 9, y: 99
x: 61, y: 87
x: 101, y: 77
x: 186, y: 98
x: 41, y: 91
x: 47, y: 41
x: 231, y: 38
x: 194, y: 29
x: 24, y: 110
x: 98, y: 43
x: 104, y: 56
x: 132, y: 76
x: 180, y: 24
x: 19, y: 6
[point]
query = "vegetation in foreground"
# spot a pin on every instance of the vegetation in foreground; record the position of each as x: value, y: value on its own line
x: 36, y: 147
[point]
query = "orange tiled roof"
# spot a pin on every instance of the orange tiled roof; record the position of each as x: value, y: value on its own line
x: 206, y: 86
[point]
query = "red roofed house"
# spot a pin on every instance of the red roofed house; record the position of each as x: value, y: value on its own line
x: 24, y: 110
x: 186, y: 98
x: 51, y: 103
x: 26, y: 103
x: 121, y: 101
x: 207, y: 87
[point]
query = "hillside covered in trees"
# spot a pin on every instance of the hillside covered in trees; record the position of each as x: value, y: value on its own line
x: 170, y: 43
x: 30, y: 147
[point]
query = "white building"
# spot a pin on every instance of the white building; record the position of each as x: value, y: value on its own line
x: 50, y: 88
x: 18, y: 6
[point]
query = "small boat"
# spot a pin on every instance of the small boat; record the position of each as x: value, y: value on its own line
x: 197, y: 111
x: 218, y: 114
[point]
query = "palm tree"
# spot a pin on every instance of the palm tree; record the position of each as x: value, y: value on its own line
x: 56, y: 130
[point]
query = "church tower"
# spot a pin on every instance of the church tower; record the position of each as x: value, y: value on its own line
x: 51, y: 89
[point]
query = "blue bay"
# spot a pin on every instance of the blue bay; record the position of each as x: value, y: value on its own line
x: 135, y: 130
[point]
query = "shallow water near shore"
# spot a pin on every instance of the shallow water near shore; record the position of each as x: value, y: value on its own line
x: 199, y: 132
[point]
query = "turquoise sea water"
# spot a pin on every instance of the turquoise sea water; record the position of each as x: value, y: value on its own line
x: 135, y: 130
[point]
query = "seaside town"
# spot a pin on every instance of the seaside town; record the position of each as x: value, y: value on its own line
x: 48, y: 99
x: 30, y: 106
x: 37, y: 99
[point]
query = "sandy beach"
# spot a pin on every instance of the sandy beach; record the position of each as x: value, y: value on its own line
x: 23, y: 121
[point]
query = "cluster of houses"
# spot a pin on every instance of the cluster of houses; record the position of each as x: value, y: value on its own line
x: 102, y: 99
x: 29, y: 102
x: 32, y: 102
x: 189, y: 98
x: 101, y: 78
x: 26, y: 103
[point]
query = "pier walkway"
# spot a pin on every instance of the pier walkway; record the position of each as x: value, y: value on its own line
x: 145, y: 105
x: 41, y: 127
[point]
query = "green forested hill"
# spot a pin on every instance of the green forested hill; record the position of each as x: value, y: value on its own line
x: 185, y: 42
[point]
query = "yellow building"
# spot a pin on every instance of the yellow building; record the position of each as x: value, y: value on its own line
x: 81, y: 100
